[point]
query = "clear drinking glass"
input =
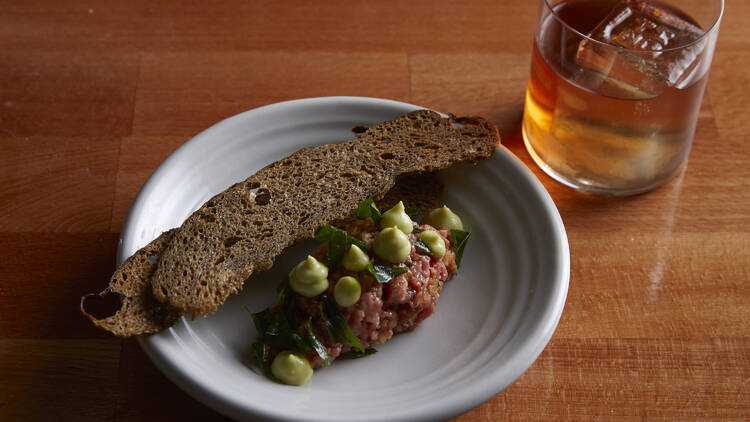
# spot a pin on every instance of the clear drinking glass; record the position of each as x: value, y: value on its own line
x: 615, y: 89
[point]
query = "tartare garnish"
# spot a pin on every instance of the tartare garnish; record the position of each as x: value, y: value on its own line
x: 379, y: 277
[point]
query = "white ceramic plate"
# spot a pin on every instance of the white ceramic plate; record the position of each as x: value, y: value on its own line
x: 493, y: 319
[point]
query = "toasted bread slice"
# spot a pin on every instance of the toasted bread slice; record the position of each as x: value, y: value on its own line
x: 139, y: 312
x: 243, y: 229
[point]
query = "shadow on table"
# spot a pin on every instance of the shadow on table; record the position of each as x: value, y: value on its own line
x: 145, y: 394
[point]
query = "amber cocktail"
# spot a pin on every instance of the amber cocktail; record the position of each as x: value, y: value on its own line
x: 615, y: 90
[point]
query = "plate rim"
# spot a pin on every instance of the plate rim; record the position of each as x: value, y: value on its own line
x: 533, y: 345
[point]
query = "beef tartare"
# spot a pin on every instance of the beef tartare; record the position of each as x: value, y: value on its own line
x: 379, y: 277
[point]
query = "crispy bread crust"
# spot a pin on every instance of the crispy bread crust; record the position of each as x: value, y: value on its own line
x: 244, y: 228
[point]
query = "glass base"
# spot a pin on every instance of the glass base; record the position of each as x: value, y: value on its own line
x: 587, y: 185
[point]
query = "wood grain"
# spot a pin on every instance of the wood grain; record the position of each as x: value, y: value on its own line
x: 647, y: 285
x: 483, y: 84
x: 67, y: 94
x: 44, y: 276
x: 181, y: 93
x: 628, y: 379
x: 72, y: 176
x: 68, y: 380
x: 95, y: 95
x: 297, y: 25
x: 140, y: 381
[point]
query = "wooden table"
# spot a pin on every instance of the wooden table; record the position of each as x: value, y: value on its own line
x: 94, y: 95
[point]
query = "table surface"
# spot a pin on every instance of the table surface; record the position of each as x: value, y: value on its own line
x: 94, y: 95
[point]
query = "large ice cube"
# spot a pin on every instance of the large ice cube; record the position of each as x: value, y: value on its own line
x: 653, y: 30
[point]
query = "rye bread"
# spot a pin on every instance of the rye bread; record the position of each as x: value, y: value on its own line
x: 195, y: 267
x: 139, y: 312
x: 244, y: 228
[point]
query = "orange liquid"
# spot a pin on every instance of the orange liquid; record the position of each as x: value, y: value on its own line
x: 623, y: 142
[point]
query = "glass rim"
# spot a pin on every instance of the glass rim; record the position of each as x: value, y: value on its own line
x: 709, y: 32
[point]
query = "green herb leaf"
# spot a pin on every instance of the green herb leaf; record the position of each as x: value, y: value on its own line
x: 340, y: 328
x: 288, y: 303
x: 261, y: 320
x: 316, y: 344
x: 273, y: 329
x: 412, y: 212
x: 337, y: 248
x: 260, y: 355
x: 325, y: 234
x: 422, y: 247
x: 367, y: 208
x: 458, y: 239
x: 385, y: 273
x: 356, y: 354
x: 281, y: 329
x: 327, y: 324
x: 338, y: 242
x: 296, y: 341
x: 279, y: 333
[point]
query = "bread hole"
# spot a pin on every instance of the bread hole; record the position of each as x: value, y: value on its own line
x: 184, y: 273
x: 228, y: 242
x: 257, y: 223
x: 303, y: 218
x: 210, y: 204
x: 263, y: 197
x: 386, y: 140
x: 208, y: 217
x: 387, y: 156
x: 419, y: 144
x: 433, y: 147
x: 124, y: 276
x: 252, y: 185
x: 254, y: 192
x: 219, y: 261
x: 101, y: 305
x: 152, y: 259
x: 359, y: 129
